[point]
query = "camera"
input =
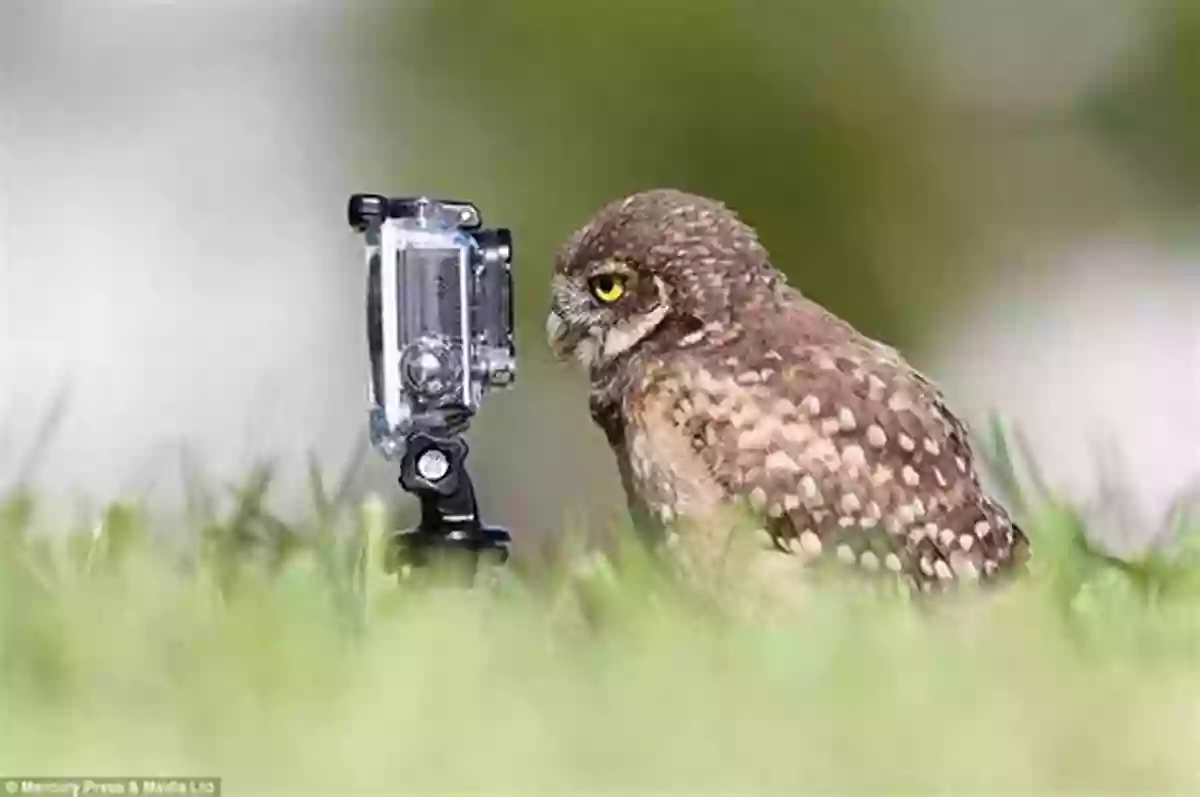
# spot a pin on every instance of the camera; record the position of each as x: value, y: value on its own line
x: 439, y: 313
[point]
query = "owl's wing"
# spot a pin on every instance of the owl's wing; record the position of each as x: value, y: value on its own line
x: 842, y: 448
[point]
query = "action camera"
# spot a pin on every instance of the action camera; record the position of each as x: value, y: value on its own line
x: 439, y: 313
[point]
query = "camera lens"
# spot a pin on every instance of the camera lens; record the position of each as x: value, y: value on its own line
x: 428, y: 368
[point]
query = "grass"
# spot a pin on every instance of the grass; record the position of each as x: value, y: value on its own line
x: 285, y: 660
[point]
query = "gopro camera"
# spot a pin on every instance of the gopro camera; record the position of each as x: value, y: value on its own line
x: 439, y: 313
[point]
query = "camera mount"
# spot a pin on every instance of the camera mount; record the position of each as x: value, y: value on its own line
x: 433, y: 468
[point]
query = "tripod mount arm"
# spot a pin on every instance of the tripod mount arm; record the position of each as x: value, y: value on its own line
x: 433, y: 468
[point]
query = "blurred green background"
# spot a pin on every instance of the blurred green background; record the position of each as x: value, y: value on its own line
x: 885, y: 150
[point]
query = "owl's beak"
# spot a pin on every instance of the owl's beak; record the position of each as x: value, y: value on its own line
x: 557, y: 335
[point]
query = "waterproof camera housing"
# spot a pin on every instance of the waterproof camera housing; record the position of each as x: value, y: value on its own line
x: 439, y: 313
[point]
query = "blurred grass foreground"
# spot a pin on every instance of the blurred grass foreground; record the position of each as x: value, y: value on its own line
x: 284, y: 659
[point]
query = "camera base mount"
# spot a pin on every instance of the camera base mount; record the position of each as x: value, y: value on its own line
x: 433, y: 468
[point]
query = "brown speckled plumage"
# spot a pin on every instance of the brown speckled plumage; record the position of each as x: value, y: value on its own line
x: 717, y: 383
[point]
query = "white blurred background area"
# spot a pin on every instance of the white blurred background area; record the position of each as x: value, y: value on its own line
x: 175, y: 264
x: 1096, y: 362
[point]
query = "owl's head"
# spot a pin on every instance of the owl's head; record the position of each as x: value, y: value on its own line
x: 657, y: 263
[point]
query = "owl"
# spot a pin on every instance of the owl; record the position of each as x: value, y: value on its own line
x: 724, y: 392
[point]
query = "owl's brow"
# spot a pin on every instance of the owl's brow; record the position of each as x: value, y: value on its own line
x: 611, y: 265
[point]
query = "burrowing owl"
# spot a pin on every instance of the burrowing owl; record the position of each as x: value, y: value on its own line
x: 719, y: 384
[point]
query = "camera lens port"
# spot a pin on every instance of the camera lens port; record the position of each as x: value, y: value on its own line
x: 429, y: 368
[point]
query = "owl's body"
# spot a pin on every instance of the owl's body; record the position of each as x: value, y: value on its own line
x: 722, y: 387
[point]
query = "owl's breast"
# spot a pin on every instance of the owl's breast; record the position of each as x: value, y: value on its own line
x: 666, y: 471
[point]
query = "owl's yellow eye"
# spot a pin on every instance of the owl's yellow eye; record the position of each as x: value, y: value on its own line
x: 607, y: 288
